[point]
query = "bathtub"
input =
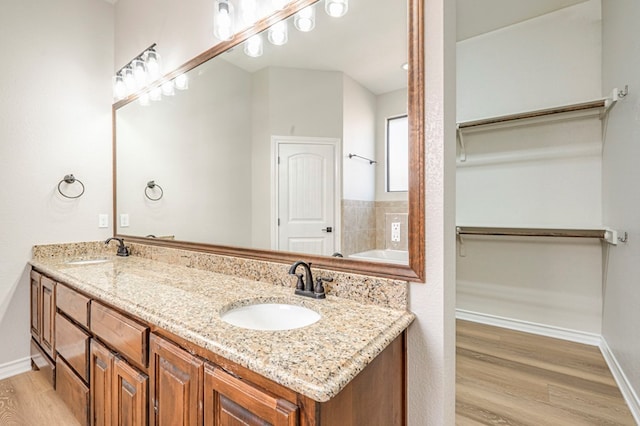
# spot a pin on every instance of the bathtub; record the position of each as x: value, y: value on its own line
x: 399, y: 257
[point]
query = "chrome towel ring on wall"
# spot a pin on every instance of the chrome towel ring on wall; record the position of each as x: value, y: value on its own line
x: 70, y: 180
x: 150, y: 188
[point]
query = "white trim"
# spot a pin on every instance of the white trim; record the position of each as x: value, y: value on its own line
x: 629, y: 394
x: 16, y: 367
x: 531, y: 327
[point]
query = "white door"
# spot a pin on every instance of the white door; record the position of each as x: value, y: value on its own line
x: 306, y: 197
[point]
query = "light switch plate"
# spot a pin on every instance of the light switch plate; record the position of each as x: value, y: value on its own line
x: 103, y: 220
x: 124, y: 220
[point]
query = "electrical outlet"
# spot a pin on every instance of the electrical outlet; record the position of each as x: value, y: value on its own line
x: 395, y: 232
x: 124, y: 220
x: 103, y: 220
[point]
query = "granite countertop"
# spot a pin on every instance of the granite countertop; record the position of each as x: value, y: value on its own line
x: 317, y: 361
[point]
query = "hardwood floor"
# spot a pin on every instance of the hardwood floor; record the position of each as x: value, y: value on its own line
x: 503, y: 377
x: 506, y: 377
x: 28, y: 400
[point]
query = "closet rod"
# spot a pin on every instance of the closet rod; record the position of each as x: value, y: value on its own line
x: 531, y: 232
x: 600, y: 103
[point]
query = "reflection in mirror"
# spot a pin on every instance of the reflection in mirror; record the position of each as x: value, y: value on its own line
x: 255, y: 153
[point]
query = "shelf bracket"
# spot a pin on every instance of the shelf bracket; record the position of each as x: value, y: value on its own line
x: 463, y: 151
x: 461, y: 250
x: 616, y: 95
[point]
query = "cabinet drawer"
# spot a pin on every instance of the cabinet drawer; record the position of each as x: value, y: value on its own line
x: 72, y: 391
x: 72, y: 343
x: 74, y: 304
x: 123, y: 334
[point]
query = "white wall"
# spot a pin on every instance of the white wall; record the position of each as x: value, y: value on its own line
x: 536, y: 174
x: 55, y: 104
x: 197, y: 146
x: 621, y: 65
x: 359, y: 123
x: 543, y: 62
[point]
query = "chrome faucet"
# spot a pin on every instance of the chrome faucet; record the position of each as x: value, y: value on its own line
x: 122, y: 249
x: 305, y: 285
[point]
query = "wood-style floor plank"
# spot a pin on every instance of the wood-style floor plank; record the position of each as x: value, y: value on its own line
x: 506, y: 377
x: 29, y: 400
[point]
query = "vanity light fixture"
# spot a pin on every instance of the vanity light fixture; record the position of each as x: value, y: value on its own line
x: 336, y: 8
x: 155, y: 94
x: 253, y: 46
x: 223, y: 20
x: 278, y: 33
x: 305, y: 20
x: 137, y: 74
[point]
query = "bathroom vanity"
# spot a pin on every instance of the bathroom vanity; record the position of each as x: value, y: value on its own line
x: 129, y: 340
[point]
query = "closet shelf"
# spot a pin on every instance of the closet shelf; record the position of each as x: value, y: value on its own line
x: 600, y: 103
x: 530, y: 232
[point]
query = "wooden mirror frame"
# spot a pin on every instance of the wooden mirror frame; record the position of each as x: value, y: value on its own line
x: 415, y: 271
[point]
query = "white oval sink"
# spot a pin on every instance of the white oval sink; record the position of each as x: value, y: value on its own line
x: 270, y: 316
x: 87, y: 261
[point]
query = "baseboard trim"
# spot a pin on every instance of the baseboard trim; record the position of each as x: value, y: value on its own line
x: 630, y: 396
x: 13, y: 368
x: 531, y: 327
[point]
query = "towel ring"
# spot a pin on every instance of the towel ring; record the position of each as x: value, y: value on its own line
x: 70, y: 179
x: 152, y: 185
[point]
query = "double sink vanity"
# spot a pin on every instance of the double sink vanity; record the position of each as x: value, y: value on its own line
x: 159, y: 337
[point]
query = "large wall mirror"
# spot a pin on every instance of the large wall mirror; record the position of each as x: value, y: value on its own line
x: 283, y: 156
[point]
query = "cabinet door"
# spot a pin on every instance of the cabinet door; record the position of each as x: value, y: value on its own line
x: 176, y: 380
x: 128, y: 395
x: 48, y: 312
x: 35, y: 306
x: 101, y: 371
x: 230, y: 401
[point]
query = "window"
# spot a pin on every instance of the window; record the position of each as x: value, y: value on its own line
x: 397, y: 154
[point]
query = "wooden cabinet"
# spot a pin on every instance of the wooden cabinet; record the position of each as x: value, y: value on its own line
x: 35, y: 305
x: 103, y: 354
x: 128, y: 395
x: 101, y: 372
x: 230, y: 401
x: 176, y: 380
x: 48, y: 313
x: 118, y: 390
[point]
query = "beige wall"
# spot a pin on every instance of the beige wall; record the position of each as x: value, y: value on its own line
x: 55, y: 104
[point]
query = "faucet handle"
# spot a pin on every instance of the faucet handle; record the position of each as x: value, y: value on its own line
x: 319, y: 287
x: 300, y: 284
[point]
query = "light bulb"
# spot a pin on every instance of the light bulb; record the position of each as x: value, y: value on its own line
x: 129, y: 79
x: 139, y: 72
x: 152, y: 59
x: 278, y: 33
x: 223, y: 21
x: 181, y: 82
x: 167, y: 88
x: 119, y: 88
x: 253, y: 46
x: 336, y: 8
x: 156, y: 94
x: 305, y: 20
